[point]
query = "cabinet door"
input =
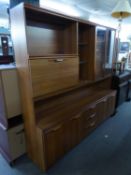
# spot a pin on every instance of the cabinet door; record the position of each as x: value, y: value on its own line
x: 53, y: 74
x: 110, y: 51
x: 104, y: 51
x: 54, y: 144
x: 110, y: 105
x: 106, y: 107
x: 100, y: 51
x: 101, y: 110
x: 73, y: 131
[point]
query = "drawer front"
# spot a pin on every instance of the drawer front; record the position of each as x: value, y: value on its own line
x: 53, y: 74
x: 17, y: 141
x: 89, y: 119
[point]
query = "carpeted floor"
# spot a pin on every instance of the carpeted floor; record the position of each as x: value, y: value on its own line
x: 107, y: 151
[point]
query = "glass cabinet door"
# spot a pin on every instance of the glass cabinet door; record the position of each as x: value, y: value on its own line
x: 100, y: 51
x: 104, y: 51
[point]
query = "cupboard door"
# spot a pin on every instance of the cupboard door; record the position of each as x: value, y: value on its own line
x: 101, y: 107
x: 54, y: 144
x: 110, y: 105
x: 53, y: 74
x: 104, y: 51
x: 110, y: 51
x: 73, y: 131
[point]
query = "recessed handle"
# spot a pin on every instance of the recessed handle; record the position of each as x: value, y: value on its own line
x: 93, y: 106
x: 92, y: 124
x: 76, y: 117
x: 104, y: 100
x: 19, y: 132
x: 56, y: 128
x: 92, y: 116
x: 59, y: 60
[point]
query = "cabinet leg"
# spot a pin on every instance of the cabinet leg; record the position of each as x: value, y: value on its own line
x: 12, y: 163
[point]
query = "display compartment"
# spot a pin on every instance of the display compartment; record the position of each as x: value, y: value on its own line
x: 50, y: 35
x: 86, y: 50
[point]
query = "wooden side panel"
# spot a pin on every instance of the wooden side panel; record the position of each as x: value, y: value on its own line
x: 50, y: 75
x: 11, y: 92
x: 21, y: 55
x: 41, y: 149
x: 70, y: 39
x: 3, y: 118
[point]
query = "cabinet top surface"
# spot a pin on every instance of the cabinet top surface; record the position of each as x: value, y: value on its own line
x: 40, y: 9
x: 94, y: 96
x: 7, y: 66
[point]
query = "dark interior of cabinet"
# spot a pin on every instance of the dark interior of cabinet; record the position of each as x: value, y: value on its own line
x: 15, y: 121
x: 50, y: 35
x: 86, y: 50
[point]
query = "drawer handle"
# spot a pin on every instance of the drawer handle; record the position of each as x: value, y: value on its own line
x: 93, y: 107
x: 19, y: 132
x: 104, y: 100
x: 76, y: 117
x: 58, y: 60
x: 92, y: 124
x: 92, y: 116
x: 56, y: 128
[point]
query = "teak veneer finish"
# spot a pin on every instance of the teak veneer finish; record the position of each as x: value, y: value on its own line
x: 49, y: 75
x: 64, y: 95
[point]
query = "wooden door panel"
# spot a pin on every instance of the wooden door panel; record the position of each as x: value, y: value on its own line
x: 53, y: 74
x: 54, y: 144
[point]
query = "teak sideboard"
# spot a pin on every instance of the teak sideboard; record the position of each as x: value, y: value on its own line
x: 64, y: 67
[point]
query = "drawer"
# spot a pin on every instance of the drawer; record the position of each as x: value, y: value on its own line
x: 16, y: 141
x: 89, y: 119
x: 53, y: 74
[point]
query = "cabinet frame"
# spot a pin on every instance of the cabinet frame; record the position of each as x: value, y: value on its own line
x: 25, y: 15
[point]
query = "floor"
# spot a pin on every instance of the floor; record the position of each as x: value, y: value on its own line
x: 107, y: 151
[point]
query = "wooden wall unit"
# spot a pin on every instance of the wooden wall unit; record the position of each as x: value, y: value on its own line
x: 62, y: 95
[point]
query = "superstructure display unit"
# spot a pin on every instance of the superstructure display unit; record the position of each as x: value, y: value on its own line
x: 64, y: 66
